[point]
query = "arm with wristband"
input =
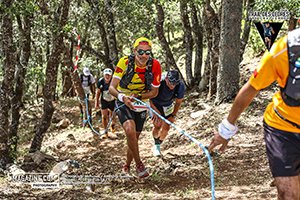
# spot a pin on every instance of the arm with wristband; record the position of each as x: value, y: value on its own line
x: 227, y: 129
x: 120, y: 96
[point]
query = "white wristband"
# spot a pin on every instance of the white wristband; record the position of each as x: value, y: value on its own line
x: 226, y: 129
x: 120, y: 97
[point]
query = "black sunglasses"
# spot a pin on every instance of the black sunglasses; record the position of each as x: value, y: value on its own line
x: 142, y: 52
x: 173, y: 82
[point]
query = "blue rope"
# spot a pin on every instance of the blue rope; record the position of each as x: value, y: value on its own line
x: 211, y: 167
x: 88, y: 120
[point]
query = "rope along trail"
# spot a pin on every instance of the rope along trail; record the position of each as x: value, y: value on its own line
x: 88, y: 120
x: 211, y: 167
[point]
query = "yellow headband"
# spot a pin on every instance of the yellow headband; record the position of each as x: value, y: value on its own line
x: 142, y: 40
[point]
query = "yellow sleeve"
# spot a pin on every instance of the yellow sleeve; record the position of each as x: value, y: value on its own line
x: 272, y: 67
x: 121, y: 67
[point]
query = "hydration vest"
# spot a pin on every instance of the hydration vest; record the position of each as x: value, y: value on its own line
x: 88, y: 79
x: 291, y: 92
x: 129, y: 73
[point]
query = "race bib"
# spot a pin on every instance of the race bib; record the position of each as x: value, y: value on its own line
x: 168, y: 110
x: 107, y: 96
x: 139, y: 107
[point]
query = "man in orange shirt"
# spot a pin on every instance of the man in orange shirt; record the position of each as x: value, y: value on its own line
x: 281, y: 117
x: 137, y: 75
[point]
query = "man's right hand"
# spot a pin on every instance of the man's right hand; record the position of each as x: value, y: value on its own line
x: 128, y: 102
x: 218, y: 140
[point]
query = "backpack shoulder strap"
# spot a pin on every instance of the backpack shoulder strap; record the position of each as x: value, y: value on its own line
x: 290, y: 93
x: 89, y: 80
x: 129, y: 72
x: 149, y: 74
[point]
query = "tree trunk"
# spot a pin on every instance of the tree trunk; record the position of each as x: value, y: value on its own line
x: 68, y: 89
x: 170, y: 61
x: 7, y: 83
x: 80, y: 94
x: 198, y: 38
x: 188, y: 42
x: 112, y: 42
x: 16, y: 102
x: 212, y: 26
x: 96, y: 9
x: 228, y: 72
x: 244, y: 40
x: 67, y: 85
x: 51, y: 78
x: 214, y: 57
x: 203, y: 85
x: 76, y: 82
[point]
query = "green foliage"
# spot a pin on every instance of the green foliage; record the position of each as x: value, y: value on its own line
x: 68, y: 28
x: 35, y: 77
x: 255, y: 41
x: 25, y: 7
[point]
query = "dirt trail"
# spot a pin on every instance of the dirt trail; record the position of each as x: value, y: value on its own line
x: 240, y: 173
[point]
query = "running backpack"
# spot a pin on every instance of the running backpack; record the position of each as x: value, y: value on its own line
x: 89, y: 79
x: 291, y: 92
x: 129, y: 73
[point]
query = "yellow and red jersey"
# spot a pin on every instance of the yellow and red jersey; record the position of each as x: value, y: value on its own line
x: 137, y: 84
x: 274, y: 66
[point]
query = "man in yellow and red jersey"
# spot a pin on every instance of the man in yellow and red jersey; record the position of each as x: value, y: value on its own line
x: 137, y: 75
x: 281, y: 117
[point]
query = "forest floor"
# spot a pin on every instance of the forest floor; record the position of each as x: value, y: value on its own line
x: 242, y: 172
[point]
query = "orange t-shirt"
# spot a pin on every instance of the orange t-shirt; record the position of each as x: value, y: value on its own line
x: 274, y: 67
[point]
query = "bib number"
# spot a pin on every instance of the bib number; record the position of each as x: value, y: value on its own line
x: 139, y: 107
x: 107, y: 96
x: 168, y: 110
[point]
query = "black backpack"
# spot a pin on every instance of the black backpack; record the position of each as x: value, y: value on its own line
x: 129, y: 73
x: 291, y: 92
x: 89, y: 79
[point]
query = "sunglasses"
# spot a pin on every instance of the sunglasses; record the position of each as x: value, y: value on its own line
x: 142, y: 52
x: 173, y: 81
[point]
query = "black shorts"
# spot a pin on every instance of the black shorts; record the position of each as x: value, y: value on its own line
x: 124, y: 113
x: 108, y: 104
x: 283, y: 151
